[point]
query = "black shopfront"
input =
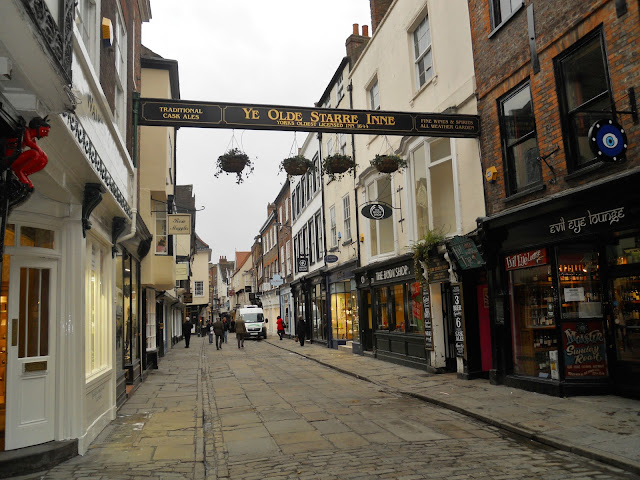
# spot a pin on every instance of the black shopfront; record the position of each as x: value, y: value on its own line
x: 392, y: 313
x: 564, y: 283
x: 309, y: 302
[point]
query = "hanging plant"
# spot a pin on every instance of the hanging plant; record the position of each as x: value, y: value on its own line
x: 421, y: 250
x: 297, y: 165
x: 337, y: 165
x: 234, y: 161
x: 388, y: 163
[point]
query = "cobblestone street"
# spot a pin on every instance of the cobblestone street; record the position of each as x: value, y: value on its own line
x: 268, y: 413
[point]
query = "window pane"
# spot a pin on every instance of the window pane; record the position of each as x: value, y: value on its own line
x: 442, y: 196
x: 525, y: 163
x: 416, y: 309
x: 33, y: 312
x: 440, y: 149
x: 424, y: 69
x: 398, y: 302
x: 518, y: 116
x: 10, y: 235
x: 421, y: 192
x: 36, y: 237
x: 584, y: 74
x: 422, y: 37
x: 580, y: 123
x: 383, y: 314
x: 627, y: 317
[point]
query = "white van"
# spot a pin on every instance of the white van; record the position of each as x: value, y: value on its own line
x: 254, y: 321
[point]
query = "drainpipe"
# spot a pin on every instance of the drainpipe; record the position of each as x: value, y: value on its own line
x: 134, y: 210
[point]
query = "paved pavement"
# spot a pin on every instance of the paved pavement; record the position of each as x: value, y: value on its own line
x: 273, y: 411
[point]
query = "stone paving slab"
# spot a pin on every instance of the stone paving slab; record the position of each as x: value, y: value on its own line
x: 603, y: 428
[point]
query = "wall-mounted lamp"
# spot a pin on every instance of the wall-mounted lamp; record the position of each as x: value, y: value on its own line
x: 362, y: 238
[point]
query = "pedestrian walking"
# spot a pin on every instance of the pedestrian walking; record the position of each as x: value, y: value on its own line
x: 240, y: 331
x: 225, y: 324
x: 210, y: 331
x: 218, y: 329
x: 186, y: 331
x: 301, y: 328
x: 232, y: 326
x: 280, y: 326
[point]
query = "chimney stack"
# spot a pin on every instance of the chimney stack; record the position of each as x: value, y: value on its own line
x: 356, y: 42
x: 378, y: 10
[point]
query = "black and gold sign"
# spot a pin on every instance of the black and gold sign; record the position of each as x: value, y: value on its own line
x: 183, y: 113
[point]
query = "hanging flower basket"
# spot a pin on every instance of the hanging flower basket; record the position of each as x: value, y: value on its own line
x: 388, y: 163
x: 335, y: 166
x: 298, y: 165
x: 234, y: 161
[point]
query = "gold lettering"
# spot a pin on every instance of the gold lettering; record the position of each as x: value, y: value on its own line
x: 314, y: 116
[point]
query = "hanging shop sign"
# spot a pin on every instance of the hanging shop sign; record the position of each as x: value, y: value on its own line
x: 608, y: 141
x: 377, y: 211
x: 187, y: 298
x: 303, y: 264
x: 438, y: 269
x: 182, y: 271
x: 465, y: 252
x: 276, y: 280
x: 458, y: 319
x: 528, y: 259
x: 428, y: 332
x: 331, y: 258
x: 186, y: 113
x: 584, y: 348
x: 179, y: 224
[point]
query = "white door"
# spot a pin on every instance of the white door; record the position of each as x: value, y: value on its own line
x: 30, y: 362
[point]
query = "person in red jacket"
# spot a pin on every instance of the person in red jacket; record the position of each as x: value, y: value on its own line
x: 280, y: 325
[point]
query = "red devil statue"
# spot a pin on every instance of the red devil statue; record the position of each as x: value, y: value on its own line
x: 34, y: 160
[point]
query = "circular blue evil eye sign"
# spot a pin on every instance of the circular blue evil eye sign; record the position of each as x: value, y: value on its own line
x: 608, y: 141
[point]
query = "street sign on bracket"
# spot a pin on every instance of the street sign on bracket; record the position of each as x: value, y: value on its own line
x: 188, y: 113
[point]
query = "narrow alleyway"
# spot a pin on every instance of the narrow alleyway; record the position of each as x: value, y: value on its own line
x: 268, y: 413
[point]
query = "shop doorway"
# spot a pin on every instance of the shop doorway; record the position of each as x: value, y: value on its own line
x: 30, y: 366
x: 448, y: 327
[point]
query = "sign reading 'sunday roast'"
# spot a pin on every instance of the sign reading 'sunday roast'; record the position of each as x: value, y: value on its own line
x: 184, y: 113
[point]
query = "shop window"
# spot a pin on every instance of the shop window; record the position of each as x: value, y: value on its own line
x: 87, y: 22
x: 10, y: 235
x: 625, y: 251
x: 320, y: 232
x: 381, y: 232
x: 97, y: 313
x: 519, y: 140
x: 151, y: 320
x: 119, y: 306
x: 585, y: 96
x: 626, y: 317
x: 382, y: 310
x: 423, y: 58
x: 161, y: 237
x: 344, y: 314
x: 36, y: 237
x: 416, y: 309
x: 580, y: 290
x: 434, y: 188
x: 502, y: 10
x: 120, y: 53
x: 533, y: 318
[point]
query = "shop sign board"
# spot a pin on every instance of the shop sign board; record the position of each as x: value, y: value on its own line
x: 179, y: 224
x: 182, y: 271
x: 376, y: 211
x: 458, y: 319
x: 331, y: 258
x: 466, y: 253
x: 528, y: 259
x: 188, y: 113
x: 390, y: 274
x: 438, y: 270
x: 428, y: 332
x: 277, y: 280
x: 303, y: 264
x: 187, y: 298
x: 585, y: 352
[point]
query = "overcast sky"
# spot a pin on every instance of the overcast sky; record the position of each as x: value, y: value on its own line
x: 281, y: 52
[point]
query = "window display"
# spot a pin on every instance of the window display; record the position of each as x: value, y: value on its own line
x: 535, y: 346
x: 626, y: 317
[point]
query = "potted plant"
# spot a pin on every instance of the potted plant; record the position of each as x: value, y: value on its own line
x: 388, y: 163
x: 336, y: 165
x: 421, y: 250
x: 234, y: 161
x: 297, y: 165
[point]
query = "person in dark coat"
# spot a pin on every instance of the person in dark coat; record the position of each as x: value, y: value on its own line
x: 240, y: 332
x: 218, y: 329
x: 186, y: 331
x: 210, y: 331
x: 301, y: 328
x: 225, y: 324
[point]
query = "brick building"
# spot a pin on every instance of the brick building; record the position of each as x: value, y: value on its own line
x: 555, y: 89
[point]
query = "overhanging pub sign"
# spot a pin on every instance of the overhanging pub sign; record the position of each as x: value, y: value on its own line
x: 186, y: 113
